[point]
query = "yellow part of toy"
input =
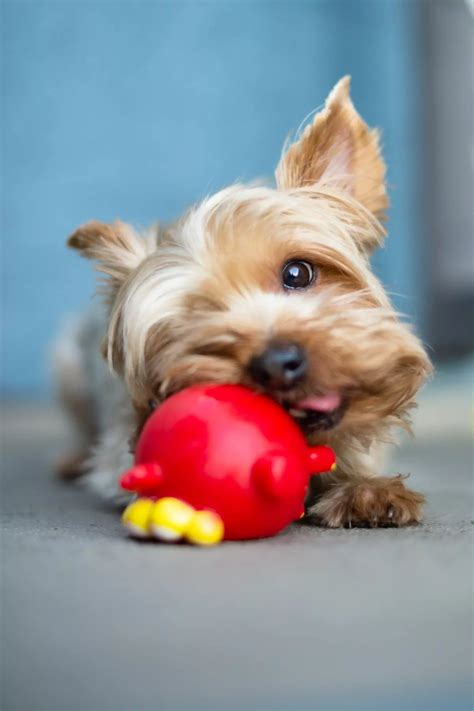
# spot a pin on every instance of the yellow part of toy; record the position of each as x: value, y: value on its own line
x: 205, y: 529
x: 170, y: 518
x: 136, y: 517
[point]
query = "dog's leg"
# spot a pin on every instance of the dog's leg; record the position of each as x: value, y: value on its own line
x: 110, y: 458
x: 74, y: 392
x: 355, y: 496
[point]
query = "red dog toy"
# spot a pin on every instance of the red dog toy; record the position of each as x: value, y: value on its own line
x: 219, y: 461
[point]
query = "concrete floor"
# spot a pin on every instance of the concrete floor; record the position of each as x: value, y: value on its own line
x: 312, y: 619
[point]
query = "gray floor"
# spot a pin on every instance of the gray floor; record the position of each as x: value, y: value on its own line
x: 312, y: 619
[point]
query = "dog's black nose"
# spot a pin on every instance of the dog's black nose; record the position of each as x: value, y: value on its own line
x: 280, y: 366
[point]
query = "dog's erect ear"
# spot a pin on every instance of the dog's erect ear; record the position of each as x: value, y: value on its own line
x: 339, y: 149
x: 116, y: 248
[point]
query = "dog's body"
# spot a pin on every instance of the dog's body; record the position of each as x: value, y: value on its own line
x: 271, y: 288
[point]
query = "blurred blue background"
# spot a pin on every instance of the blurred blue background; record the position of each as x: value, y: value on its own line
x: 136, y: 109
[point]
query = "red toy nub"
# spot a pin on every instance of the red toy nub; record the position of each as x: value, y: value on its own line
x: 220, y: 461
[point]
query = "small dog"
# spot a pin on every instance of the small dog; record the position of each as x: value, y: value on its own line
x: 271, y: 288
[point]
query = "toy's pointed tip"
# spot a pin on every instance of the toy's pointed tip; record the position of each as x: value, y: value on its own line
x: 142, y: 477
x: 321, y: 459
x: 126, y: 481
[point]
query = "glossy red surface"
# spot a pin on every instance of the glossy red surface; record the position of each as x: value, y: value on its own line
x: 229, y: 449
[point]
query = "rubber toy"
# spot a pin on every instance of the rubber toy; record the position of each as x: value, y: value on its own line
x: 219, y: 462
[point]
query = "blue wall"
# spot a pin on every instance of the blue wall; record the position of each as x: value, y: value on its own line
x: 136, y: 109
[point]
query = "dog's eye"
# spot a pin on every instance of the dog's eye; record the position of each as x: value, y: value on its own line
x: 298, y: 274
x: 152, y: 405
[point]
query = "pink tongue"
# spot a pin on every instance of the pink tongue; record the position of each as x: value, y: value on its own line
x: 320, y: 403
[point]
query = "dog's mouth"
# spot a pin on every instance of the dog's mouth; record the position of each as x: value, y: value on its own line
x: 317, y: 413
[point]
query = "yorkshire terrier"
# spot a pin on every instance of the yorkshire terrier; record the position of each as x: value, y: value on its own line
x: 270, y: 287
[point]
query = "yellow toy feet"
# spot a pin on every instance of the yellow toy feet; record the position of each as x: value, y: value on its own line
x: 136, y: 517
x: 205, y: 529
x: 170, y: 519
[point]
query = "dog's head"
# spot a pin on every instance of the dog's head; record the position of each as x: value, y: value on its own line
x: 271, y: 288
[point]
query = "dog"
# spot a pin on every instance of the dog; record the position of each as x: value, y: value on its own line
x: 270, y: 287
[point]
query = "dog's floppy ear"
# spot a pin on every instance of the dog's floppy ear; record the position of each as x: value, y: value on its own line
x: 338, y: 148
x: 116, y: 248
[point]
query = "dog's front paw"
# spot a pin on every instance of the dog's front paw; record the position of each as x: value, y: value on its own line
x: 368, y: 502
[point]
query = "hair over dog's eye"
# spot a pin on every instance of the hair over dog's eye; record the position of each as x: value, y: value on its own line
x: 298, y: 274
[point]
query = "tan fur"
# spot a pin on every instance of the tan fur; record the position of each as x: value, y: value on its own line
x: 379, y: 501
x: 338, y: 146
x: 198, y: 303
x: 116, y: 248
